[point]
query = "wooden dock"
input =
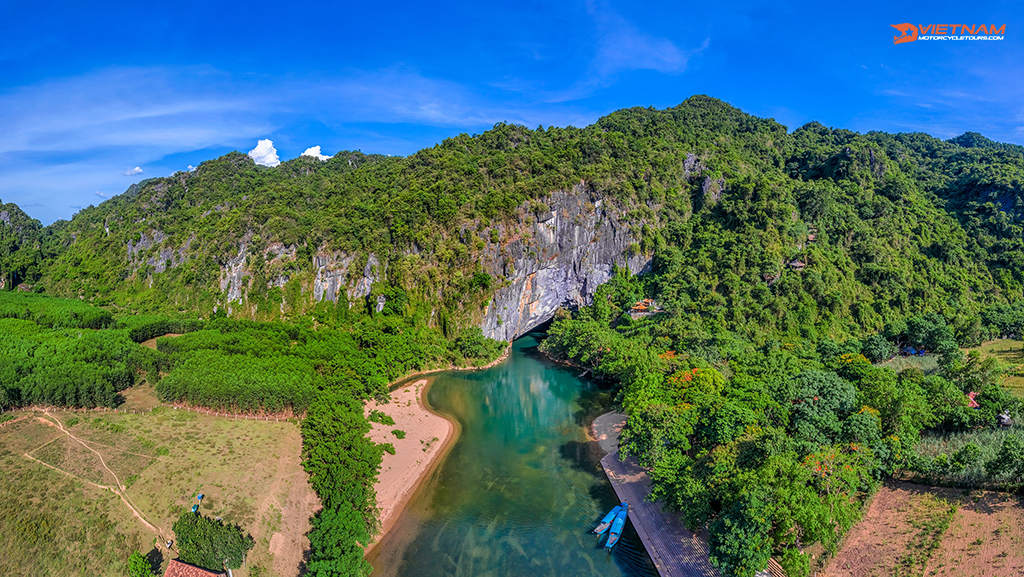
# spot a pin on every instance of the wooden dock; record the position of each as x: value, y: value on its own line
x: 674, y: 550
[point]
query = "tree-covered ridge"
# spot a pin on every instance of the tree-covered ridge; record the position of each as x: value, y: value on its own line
x: 874, y: 218
x: 21, y: 246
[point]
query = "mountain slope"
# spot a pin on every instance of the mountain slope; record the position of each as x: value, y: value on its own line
x: 883, y: 225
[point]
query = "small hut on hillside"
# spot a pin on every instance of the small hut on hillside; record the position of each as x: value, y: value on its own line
x: 644, y: 308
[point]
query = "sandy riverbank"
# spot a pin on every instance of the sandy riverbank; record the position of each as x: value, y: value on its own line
x: 428, y: 436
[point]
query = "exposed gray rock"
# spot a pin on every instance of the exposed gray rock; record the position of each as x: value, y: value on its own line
x: 5, y: 217
x: 567, y: 258
x: 692, y: 166
x: 232, y: 275
x: 555, y: 258
x: 372, y: 273
x: 331, y: 271
x: 333, y: 274
x: 713, y: 189
x: 145, y: 242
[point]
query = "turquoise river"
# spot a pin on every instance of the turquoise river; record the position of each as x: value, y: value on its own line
x: 521, y: 487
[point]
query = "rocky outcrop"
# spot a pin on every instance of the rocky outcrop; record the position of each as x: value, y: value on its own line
x: 559, y: 261
x: 554, y: 254
x: 333, y: 275
x: 232, y: 275
x: 165, y: 255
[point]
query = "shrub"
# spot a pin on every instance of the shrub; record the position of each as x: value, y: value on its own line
x: 208, y: 542
x: 380, y: 417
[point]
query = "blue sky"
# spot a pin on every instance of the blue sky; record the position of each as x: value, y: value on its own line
x: 90, y: 91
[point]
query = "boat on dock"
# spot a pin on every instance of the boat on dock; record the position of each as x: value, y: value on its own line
x: 617, y: 525
x: 606, y: 522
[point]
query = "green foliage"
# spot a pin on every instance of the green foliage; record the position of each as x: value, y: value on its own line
x: 795, y: 563
x: 472, y: 347
x: 342, y: 464
x: 64, y: 367
x: 740, y: 539
x: 210, y: 543
x: 877, y: 348
x: 398, y: 433
x: 380, y: 417
x: 138, y: 566
x: 964, y: 457
x: 1009, y: 461
x: 53, y: 313
x: 144, y: 327
x: 973, y: 459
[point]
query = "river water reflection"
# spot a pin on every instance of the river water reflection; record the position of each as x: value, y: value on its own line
x: 521, y: 487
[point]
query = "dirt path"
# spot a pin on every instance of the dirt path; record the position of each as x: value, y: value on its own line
x: 291, y: 494
x: 113, y: 490
x: 151, y: 343
x: 12, y: 421
x: 119, y: 490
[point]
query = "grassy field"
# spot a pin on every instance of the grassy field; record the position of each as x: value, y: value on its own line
x: 1010, y: 354
x: 61, y: 514
x: 928, y: 363
x: 988, y: 440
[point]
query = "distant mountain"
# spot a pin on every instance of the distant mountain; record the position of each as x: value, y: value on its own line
x: 768, y: 232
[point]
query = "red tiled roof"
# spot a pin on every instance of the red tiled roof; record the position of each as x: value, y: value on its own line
x: 179, y: 569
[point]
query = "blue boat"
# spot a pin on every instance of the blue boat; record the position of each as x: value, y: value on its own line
x: 607, y: 521
x: 617, y: 525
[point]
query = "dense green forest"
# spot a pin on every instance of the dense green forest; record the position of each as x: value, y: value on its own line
x: 786, y: 263
x: 775, y: 445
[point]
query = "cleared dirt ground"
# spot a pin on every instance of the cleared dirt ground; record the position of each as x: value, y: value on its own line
x: 986, y: 537
x: 913, y: 529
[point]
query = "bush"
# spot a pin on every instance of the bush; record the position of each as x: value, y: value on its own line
x: 380, y: 417
x: 208, y: 542
x: 138, y: 566
x: 1009, y: 461
x: 877, y: 349
x: 398, y: 433
x: 964, y: 457
x: 938, y: 459
x: 795, y: 563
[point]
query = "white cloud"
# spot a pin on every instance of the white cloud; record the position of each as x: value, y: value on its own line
x: 133, y: 171
x: 108, y: 118
x: 101, y: 195
x: 191, y: 168
x: 314, y: 151
x: 265, y: 154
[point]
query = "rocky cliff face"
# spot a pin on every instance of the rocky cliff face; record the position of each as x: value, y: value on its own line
x: 559, y: 261
x: 333, y: 276
x: 555, y: 254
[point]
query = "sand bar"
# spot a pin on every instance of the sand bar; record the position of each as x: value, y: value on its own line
x: 428, y: 435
